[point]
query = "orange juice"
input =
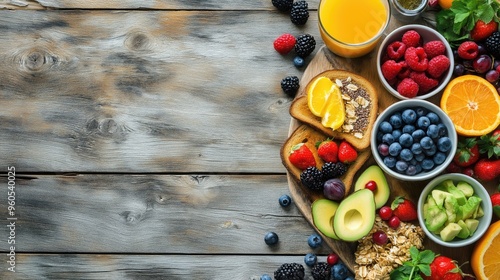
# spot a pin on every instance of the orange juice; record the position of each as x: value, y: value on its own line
x: 352, y: 28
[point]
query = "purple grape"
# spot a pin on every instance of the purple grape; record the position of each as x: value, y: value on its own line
x: 459, y: 70
x: 492, y: 76
x: 334, y: 189
x: 482, y: 63
x: 383, y: 149
x: 496, y: 64
x: 481, y: 49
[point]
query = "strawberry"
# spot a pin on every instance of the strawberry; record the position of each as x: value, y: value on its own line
x: 490, y: 144
x: 443, y: 267
x: 347, y: 153
x: 467, y: 152
x: 483, y: 30
x: 328, y: 150
x: 301, y: 156
x: 487, y: 169
x: 495, y: 201
x: 453, y: 168
x: 404, y: 209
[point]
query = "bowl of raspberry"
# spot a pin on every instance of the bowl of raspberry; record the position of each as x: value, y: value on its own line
x: 414, y: 62
x: 413, y: 140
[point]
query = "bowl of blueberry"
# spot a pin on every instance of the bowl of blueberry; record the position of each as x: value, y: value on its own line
x: 413, y: 140
x: 414, y: 62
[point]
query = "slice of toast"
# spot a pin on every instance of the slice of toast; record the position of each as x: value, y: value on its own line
x: 360, y: 114
x: 310, y: 136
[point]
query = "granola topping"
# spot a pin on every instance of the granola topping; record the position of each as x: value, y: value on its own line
x: 357, y: 105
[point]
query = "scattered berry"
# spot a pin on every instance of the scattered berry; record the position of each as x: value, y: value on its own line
x: 321, y: 271
x: 468, y: 50
x: 493, y: 44
x: 339, y: 271
x: 385, y: 213
x: 408, y: 88
x: 290, y: 85
x: 299, y: 13
x: 283, y: 5
x: 265, y: 277
x: 438, y: 65
x: 284, y: 43
x: 396, y: 50
x: 371, y: 185
x: 411, y: 38
x: 314, y: 240
x: 390, y: 69
x: 285, y: 200
x: 305, y: 45
x: 271, y: 238
x: 289, y: 271
x: 332, y: 259
x: 379, y: 237
x: 416, y: 58
x: 310, y: 259
x: 394, y: 222
x: 298, y: 61
x: 434, y: 48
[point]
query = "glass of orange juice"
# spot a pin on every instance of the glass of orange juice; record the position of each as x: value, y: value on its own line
x: 352, y: 28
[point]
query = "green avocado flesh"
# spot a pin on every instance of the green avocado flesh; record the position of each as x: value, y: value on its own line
x: 355, y: 215
x: 322, y: 211
x: 375, y: 173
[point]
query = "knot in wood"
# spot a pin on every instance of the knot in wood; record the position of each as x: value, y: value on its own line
x: 137, y: 41
x: 108, y: 126
x: 34, y: 61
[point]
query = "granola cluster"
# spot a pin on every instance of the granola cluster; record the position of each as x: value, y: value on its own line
x: 357, y: 107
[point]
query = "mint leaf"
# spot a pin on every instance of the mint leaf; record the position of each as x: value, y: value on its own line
x: 425, y: 269
x: 414, y: 254
x: 485, y: 12
x: 427, y: 256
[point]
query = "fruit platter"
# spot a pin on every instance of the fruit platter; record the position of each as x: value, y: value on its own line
x: 369, y: 133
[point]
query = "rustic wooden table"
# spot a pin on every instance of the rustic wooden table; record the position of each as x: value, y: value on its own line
x: 145, y: 139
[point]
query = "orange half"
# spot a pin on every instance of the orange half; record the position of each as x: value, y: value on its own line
x: 485, y: 259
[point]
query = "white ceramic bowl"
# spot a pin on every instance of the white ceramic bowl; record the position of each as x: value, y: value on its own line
x: 400, y: 106
x: 427, y: 34
x: 479, y: 190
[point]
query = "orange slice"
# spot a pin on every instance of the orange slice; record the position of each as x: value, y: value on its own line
x: 324, y: 99
x: 473, y: 105
x: 485, y: 258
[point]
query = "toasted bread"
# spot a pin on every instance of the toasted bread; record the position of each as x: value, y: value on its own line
x: 310, y: 136
x: 355, y: 131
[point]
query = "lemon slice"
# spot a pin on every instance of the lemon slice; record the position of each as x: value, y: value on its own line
x: 324, y: 99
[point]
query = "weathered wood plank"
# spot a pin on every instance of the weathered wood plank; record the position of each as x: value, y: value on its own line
x: 151, y: 267
x: 143, y: 91
x: 149, y: 4
x: 154, y: 214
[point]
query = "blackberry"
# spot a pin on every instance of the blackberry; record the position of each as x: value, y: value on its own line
x: 321, y: 271
x: 290, y: 85
x: 299, y: 13
x: 493, y: 44
x: 312, y: 178
x: 304, y: 45
x: 283, y: 5
x: 332, y: 170
x: 289, y: 271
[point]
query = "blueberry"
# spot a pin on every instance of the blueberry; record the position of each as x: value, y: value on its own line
x: 266, y: 277
x: 433, y: 117
x: 349, y: 278
x: 390, y: 161
x: 433, y: 131
x: 396, y: 121
x: 421, y: 111
x: 396, y: 133
x: 419, y: 157
x: 411, y: 170
x: 444, y: 144
x: 271, y: 238
x: 431, y: 151
x: 285, y: 200
x: 442, y: 130
x: 394, y: 149
x: 439, y: 158
x: 409, y: 128
x: 314, y: 240
x: 409, y: 116
x: 417, y: 135
x: 423, y: 122
x: 427, y: 164
x: 419, y: 168
x: 379, y: 135
x: 426, y: 142
x: 310, y: 259
x: 388, y: 138
x: 339, y: 272
x: 383, y: 149
x: 413, y: 162
x: 406, y: 154
x: 298, y: 61
x: 385, y: 127
x: 401, y: 166
x: 406, y: 140
x: 416, y: 148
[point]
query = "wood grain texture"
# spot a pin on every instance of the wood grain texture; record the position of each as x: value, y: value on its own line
x: 99, y: 91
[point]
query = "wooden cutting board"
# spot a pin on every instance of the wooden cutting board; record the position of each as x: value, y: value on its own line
x: 366, y: 67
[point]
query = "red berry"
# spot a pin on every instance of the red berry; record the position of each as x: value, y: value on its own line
x: 379, y: 237
x: 394, y: 222
x: 390, y: 69
x: 468, y: 50
x: 284, y: 43
x: 425, y: 83
x: 416, y: 58
x: 434, y: 48
x: 396, y: 50
x: 438, y: 65
x: 332, y: 259
x: 408, y: 88
x: 371, y: 185
x: 385, y: 213
x: 411, y: 38
x: 469, y: 171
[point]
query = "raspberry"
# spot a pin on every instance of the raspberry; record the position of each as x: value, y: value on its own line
x: 284, y: 43
x: 405, y: 71
x: 411, y: 38
x: 468, y: 50
x: 434, y: 48
x: 408, y: 88
x: 396, y: 50
x: 390, y: 69
x: 438, y: 65
x: 425, y: 83
x: 416, y: 58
